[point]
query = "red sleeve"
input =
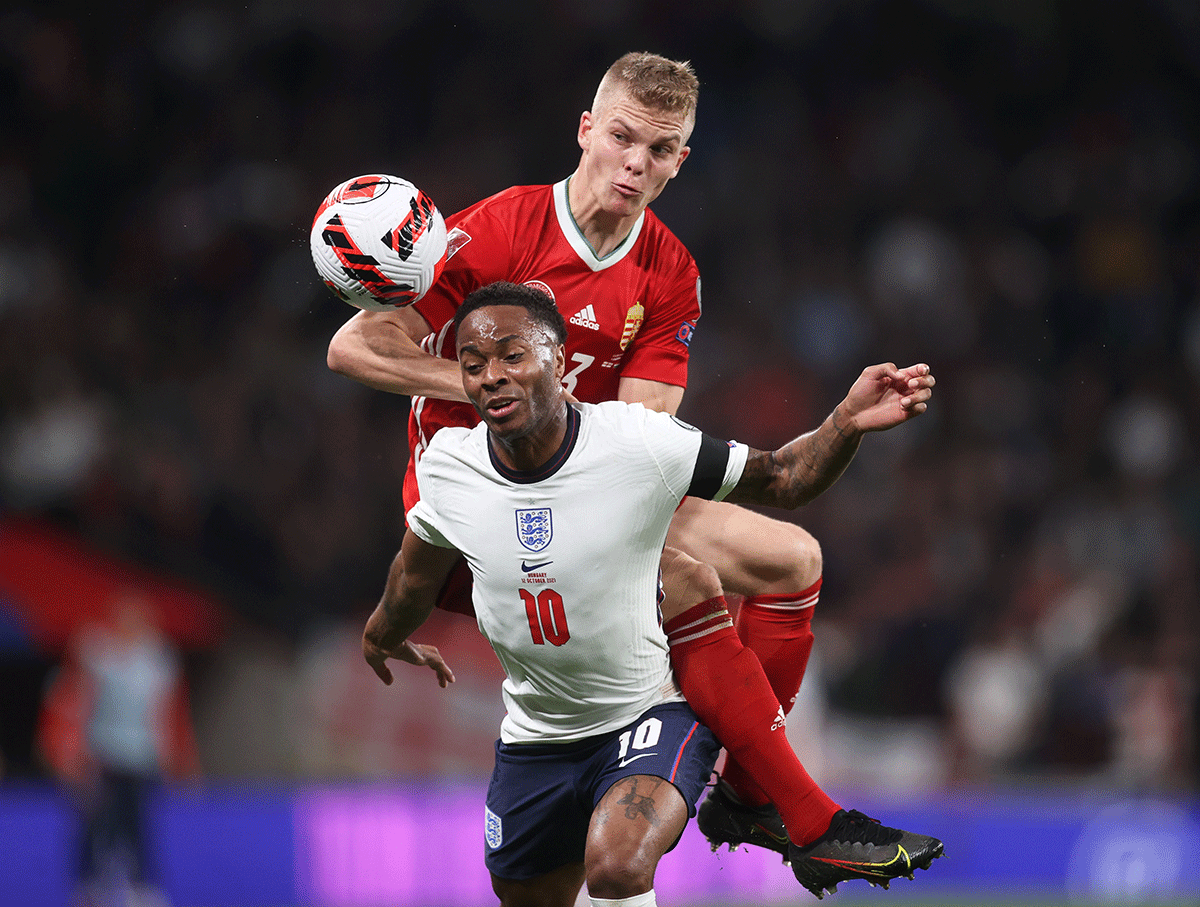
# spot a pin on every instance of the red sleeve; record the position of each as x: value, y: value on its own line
x: 479, y: 253
x: 659, y: 351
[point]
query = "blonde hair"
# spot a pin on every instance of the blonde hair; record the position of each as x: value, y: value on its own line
x: 653, y: 81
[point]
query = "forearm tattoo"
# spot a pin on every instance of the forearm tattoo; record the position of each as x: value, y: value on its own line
x: 800, y: 470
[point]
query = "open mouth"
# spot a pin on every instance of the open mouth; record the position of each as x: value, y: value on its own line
x: 498, y: 409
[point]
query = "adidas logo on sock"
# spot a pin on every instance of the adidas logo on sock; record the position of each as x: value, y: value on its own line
x: 586, y: 318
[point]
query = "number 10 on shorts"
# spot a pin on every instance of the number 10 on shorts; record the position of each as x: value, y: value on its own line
x: 644, y: 736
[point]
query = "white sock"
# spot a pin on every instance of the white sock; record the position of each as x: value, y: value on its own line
x: 638, y: 900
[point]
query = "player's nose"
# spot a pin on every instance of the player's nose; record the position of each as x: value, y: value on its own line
x: 493, y: 373
x: 635, y: 159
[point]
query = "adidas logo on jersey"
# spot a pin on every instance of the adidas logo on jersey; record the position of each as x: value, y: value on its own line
x: 586, y: 318
x: 780, y: 720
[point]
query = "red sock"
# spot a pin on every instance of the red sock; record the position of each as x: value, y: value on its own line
x: 724, y: 684
x: 778, y: 629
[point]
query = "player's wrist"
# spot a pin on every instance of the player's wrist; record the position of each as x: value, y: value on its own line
x: 844, y: 422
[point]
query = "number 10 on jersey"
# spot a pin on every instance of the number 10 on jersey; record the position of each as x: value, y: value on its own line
x: 547, y: 618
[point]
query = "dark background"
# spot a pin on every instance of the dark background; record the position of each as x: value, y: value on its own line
x: 1008, y: 191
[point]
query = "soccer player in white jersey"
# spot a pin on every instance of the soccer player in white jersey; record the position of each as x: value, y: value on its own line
x: 562, y: 509
x: 630, y: 293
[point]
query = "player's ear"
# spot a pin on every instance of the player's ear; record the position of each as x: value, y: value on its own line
x: 683, y: 153
x: 585, y: 127
x: 560, y: 362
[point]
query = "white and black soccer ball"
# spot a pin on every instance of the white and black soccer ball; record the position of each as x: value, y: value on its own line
x: 378, y: 242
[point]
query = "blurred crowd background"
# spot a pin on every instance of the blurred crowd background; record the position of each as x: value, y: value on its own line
x: 1008, y: 191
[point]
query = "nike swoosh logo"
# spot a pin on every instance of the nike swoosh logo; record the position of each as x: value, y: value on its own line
x: 529, y: 568
x: 625, y: 762
x: 881, y: 868
x: 769, y: 833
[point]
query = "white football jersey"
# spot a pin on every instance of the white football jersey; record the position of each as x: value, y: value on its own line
x: 565, y: 560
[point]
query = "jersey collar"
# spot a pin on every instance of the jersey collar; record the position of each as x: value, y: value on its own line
x: 551, y: 466
x: 574, y: 236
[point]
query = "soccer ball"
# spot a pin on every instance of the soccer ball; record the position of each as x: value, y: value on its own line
x: 378, y: 242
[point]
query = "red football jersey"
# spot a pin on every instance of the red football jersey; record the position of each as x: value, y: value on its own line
x: 629, y: 314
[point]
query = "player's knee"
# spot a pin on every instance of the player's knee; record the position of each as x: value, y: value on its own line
x: 615, y: 876
x: 809, y: 554
x: 510, y: 895
x: 549, y: 889
x: 802, y: 554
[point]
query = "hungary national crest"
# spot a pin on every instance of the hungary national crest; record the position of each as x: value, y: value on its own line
x: 535, y: 527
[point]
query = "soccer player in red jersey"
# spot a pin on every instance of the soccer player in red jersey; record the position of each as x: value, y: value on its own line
x: 630, y: 293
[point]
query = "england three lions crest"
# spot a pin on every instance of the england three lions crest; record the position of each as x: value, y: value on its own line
x: 535, y: 527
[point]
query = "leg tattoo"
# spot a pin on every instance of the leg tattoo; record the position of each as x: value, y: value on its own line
x: 640, y: 805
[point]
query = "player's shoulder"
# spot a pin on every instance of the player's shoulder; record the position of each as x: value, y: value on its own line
x: 662, y: 240
x: 613, y: 414
x: 499, y: 216
x: 450, y: 446
x: 518, y: 193
x: 632, y: 434
x: 512, y: 197
x: 610, y: 410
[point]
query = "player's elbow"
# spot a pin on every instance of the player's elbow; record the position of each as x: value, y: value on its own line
x: 337, y: 359
x: 344, y: 356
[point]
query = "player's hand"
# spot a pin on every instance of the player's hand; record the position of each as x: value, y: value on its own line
x: 885, y: 396
x: 427, y: 656
x: 413, y: 653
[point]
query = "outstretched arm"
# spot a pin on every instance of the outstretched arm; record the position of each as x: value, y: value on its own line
x: 417, y: 574
x: 883, y: 397
x: 382, y: 350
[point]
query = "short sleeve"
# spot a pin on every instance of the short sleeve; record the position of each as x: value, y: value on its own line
x: 660, y: 350
x: 422, y: 520
x: 423, y: 517
x: 734, y: 467
x: 719, y: 466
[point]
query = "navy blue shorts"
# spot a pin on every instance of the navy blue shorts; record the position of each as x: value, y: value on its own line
x: 541, y: 797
